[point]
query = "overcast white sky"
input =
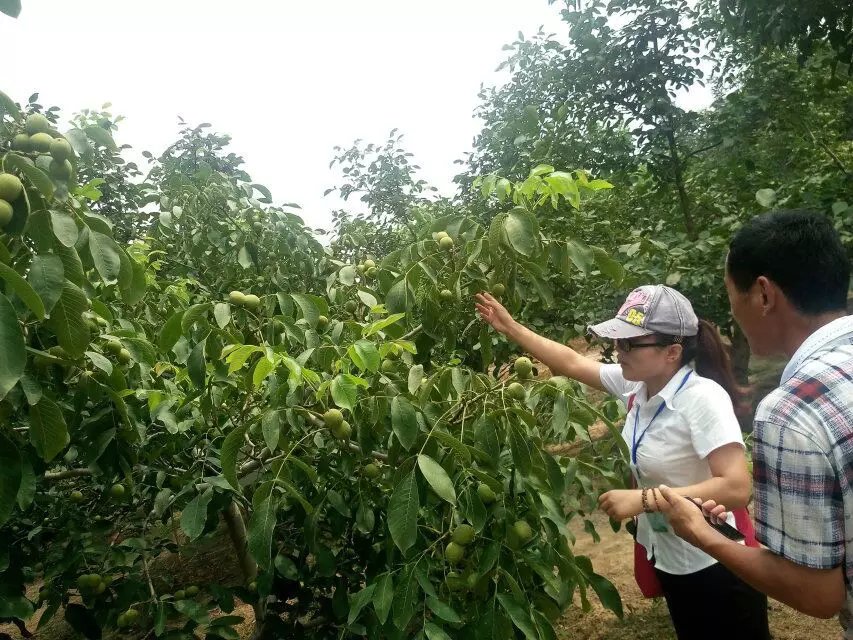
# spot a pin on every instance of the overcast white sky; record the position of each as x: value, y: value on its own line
x: 287, y: 80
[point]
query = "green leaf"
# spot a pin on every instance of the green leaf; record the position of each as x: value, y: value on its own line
x: 101, y: 136
x: 105, y: 255
x: 7, y: 105
x: 196, y: 365
x: 403, y: 512
x: 48, y: 432
x: 47, y: 277
x: 10, y: 476
x: 522, y: 232
x: 358, y: 601
x: 263, y: 368
x: 416, y: 374
x: 443, y: 610
x: 261, y: 526
x: 171, y: 331
x: 228, y: 456
x: 398, y: 297
x: 766, y: 197
x: 222, y: 314
x: 141, y: 350
x: 520, y: 618
x: 271, y: 427
x: 383, y: 596
x: 404, y: 421
x: 344, y: 392
x: 15, y: 606
x: 64, y: 228
x: 39, y: 179
x: 405, y: 600
x: 379, y: 325
x: 607, y: 593
x: 437, y: 478
x: 27, y: 490
x: 244, y: 258
x: 434, y: 632
x: 194, y: 313
x: 12, y: 347
x: 581, y: 255
x: 100, y: 362
x: 608, y: 265
x: 365, y: 355
x: 346, y: 276
x: 310, y: 310
x: 194, y: 515
x: 134, y: 291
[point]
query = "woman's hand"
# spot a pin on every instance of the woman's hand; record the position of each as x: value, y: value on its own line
x: 493, y: 312
x: 621, y: 504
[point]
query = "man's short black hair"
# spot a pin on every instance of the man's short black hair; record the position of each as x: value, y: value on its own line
x: 800, y: 251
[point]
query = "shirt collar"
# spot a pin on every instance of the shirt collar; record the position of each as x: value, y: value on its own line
x: 667, y: 394
x: 823, y: 337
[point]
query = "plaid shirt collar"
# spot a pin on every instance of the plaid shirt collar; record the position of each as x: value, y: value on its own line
x: 838, y: 328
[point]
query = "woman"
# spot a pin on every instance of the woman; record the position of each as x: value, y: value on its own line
x: 676, y: 379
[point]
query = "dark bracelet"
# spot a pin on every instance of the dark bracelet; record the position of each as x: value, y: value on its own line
x: 645, y: 498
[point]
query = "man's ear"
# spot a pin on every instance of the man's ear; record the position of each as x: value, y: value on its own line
x: 769, y: 293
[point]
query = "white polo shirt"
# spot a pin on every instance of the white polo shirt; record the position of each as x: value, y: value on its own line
x: 696, y: 420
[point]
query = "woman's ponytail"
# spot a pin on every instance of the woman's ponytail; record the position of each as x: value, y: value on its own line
x: 712, y: 361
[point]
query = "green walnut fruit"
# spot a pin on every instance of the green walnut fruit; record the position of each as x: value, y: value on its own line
x: 322, y: 322
x: 60, y: 170
x: 369, y: 264
x: 446, y: 295
x: 454, y: 552
x: 558, y: 382
x: 88, y: 581
x: 440, y: 235
x: 180, y: 594
x: 455, y: 582
x: 523, y: 367
x: 10, y: 187
x: 523, y: 530
x: 21, y: 142
x: 132, y: 615
x: 61, y: 150
x: 343, y: 431
x: 486, y: 493
x: 122, y: 621
x: 361, y: 269
x: 37, y: 123
x: 498, y: 290
x: 446, y: 243
x: 41, y: 142
x: 114, y: 347
x: 253, y: 586
x: 237, y: 298
x: 76, y: 496
x: 516, y: 391
x: 252, y: 302
x: 463, y: 534
x: 333, y: 418
x: 123, y: 356
x: 351, y: 306
x: 370, y: 470
x: 117, y: 491
x: 371, y: 272
x: 192, y: 591
x: 6, y: 213
x: 387, y: 366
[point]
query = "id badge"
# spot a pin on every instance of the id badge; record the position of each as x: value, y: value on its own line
x: 656, y: 520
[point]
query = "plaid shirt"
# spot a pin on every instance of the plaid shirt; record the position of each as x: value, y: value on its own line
x: 803, y: 457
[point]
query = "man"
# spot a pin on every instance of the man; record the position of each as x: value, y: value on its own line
x: 787, y: 277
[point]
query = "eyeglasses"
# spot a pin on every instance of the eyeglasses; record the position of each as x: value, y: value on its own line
x: 627, y: 346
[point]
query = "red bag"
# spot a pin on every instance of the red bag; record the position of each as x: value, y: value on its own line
x: 644, y: 570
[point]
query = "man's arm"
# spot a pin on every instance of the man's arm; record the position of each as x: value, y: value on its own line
x: 817, y: 592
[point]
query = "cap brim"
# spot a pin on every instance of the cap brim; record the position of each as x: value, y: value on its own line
x: 618, y: 328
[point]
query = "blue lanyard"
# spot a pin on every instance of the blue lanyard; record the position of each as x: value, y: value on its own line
x: 636, y: 442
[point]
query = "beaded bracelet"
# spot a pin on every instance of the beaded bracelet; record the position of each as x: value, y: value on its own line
x: 655, y: 496
x: 645, y: 498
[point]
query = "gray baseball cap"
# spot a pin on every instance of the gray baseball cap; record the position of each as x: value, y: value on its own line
x: 651, y: 309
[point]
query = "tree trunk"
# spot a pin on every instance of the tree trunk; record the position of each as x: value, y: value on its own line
x: 237, y: 530
x: 678, y: 174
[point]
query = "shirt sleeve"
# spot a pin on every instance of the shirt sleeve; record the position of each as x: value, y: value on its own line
x: 799, y: 510
x: 711, y: 418
x: 613, y: 380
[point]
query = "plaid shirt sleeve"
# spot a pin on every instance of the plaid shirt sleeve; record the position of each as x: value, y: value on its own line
x: 799, y: 513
